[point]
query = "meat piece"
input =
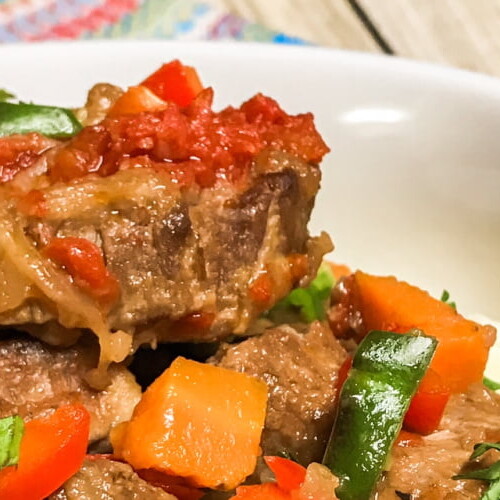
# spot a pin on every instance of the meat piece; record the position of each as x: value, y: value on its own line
x: 301, y: 373
x: 199, y: 215
x: 425, y: 470
x: 174, y: 254
x: 36, y: 379
x: 102, y: 479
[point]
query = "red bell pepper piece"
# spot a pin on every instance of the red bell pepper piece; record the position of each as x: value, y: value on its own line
x: 52, y: 450
x: 342, y: 375
x: 266, y: 491
x: 339, y: 270
x: 289, y: 474
x: 428, y: 405
x: 84, y: 262
x: 175, y: 82
x: 289, y: 477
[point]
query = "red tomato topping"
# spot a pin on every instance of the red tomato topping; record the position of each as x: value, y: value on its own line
x: 52, y: 450
x: 18, y: 152
x: 175, y: 82
x: 193, y: 144
x: 261, y: 290
x: 84, y: 262
x: 33, y: 204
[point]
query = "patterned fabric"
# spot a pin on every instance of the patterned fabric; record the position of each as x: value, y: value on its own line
x: 34, y: 20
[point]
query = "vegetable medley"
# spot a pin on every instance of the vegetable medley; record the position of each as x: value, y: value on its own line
x: 147, y: 235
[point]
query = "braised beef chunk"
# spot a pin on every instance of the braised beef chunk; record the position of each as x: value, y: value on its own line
x: 199, y: 215
x: 301, y: 373
x: 102, y: 479
x: 178, y: 254
x: 36, y: 379
x: 424, y: 469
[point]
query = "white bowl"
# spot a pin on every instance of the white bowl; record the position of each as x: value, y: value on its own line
x: 412, y: 186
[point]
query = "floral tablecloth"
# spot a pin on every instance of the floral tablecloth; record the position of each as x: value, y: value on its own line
x: 34, y: 20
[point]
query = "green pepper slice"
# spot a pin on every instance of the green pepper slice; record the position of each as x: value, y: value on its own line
x: 21, y: 118
x: 11, y: 433
x: 387, y: 369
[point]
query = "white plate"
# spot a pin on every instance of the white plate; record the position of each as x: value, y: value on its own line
x: 412, y: 187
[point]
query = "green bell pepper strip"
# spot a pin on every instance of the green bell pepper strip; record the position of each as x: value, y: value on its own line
x: 11, y: 433
x: 387, y: 369
x: 21, y: 118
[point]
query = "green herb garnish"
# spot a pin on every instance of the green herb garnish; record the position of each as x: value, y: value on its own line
x: 11, y: 433
x: 306, y: 304
x: 490, y: 474
x: 445, y: 297
x: 491, y: 384
x: 6, y: 96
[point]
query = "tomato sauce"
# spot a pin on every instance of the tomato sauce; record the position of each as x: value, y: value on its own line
x: 193, y: 144
x: 85, y: 263
x: 18, y: 152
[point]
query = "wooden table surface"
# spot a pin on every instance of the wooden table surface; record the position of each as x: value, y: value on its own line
x: 462, y: 33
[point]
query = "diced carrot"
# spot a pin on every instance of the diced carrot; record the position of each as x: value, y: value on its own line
x: 389, y: 304
x: 137, y: 100
x: 339, y: 270
x: 196, y: 421
x: 289, y: 474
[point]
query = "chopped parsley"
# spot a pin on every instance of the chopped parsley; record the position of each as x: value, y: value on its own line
x: 445, y: 297
x: 491, y: 384
x: 306, y: 304
x: 489, y: 474
x: 6, y: 96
